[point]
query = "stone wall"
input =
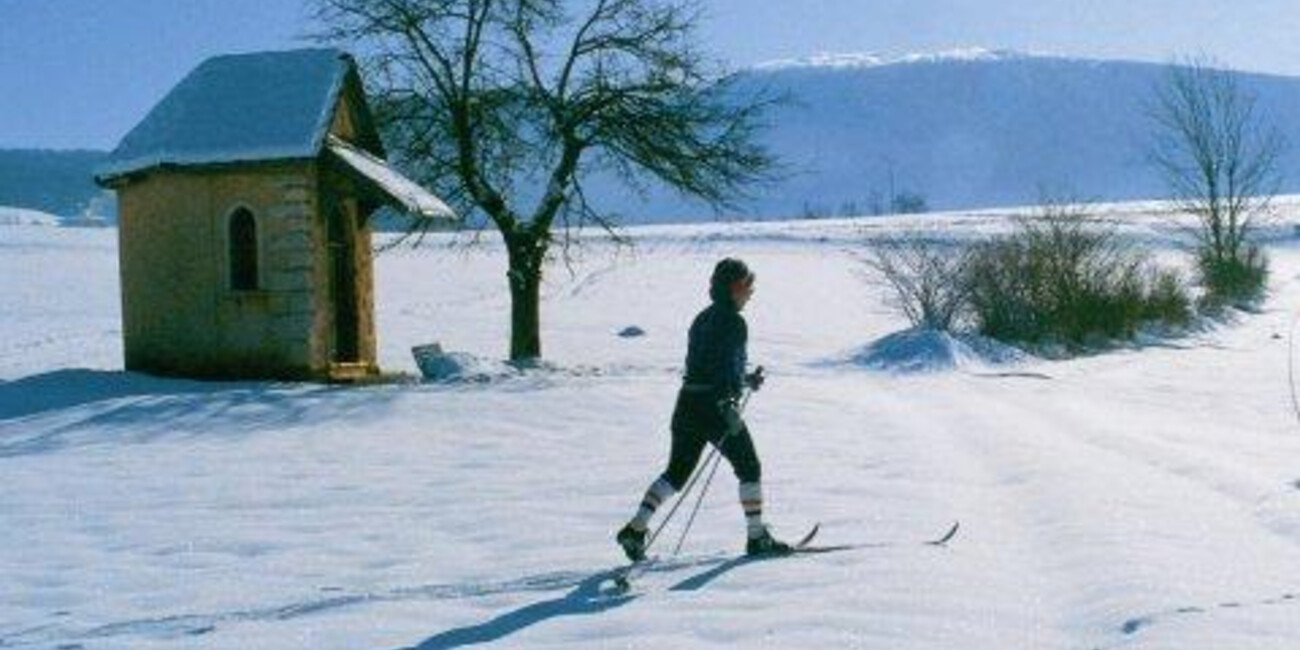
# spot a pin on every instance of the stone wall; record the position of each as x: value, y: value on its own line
x: 180, y: 315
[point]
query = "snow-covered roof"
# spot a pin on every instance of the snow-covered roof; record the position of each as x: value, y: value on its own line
x: 401, y: 189
x: 237, y: 108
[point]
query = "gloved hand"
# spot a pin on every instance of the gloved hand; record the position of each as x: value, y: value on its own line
x: 754, y: 380
x: 731, y: 416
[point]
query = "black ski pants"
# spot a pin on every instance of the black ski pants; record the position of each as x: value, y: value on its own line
x: 698, y: 419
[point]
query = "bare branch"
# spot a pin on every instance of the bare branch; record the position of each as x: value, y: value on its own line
x: 1220, y: 163
x: 481, y: 97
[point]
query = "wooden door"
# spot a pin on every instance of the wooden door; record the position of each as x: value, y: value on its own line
x: 343, y: 285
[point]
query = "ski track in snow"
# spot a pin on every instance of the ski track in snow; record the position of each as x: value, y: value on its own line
x: 198, y: 624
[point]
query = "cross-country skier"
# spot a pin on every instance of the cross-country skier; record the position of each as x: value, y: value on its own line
x: 707, y: 412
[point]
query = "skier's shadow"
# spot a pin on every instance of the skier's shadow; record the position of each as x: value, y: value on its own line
x: 705, y: 577
x: 699, y: 580
x: 584, y: 599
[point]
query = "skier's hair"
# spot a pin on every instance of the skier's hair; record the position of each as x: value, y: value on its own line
x: 727, y: 272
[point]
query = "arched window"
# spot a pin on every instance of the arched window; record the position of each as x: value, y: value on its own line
x: 243, y: 251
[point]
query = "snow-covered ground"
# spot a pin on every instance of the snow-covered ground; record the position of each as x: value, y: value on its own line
x: 11, y: 216
x: 1143, y: 498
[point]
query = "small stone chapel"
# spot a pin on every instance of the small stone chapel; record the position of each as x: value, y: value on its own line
x: 244, y: 204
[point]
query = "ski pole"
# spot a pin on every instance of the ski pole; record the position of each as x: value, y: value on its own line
x: 716, y: 458
x: 695, y: 476
x: 690, y: 521
x: 672, y: 511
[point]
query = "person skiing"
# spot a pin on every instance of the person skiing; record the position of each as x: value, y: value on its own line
x: 707, y: 412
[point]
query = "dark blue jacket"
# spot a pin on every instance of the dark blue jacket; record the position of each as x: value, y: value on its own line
x: 715, y: 355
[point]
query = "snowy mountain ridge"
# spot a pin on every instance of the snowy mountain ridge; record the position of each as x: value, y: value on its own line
x: 875, y: 60
x: 962, y: 129
x: 10, y: 216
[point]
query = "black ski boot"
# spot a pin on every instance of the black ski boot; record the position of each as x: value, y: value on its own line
x: 766, y: 545
x: 633, y: 542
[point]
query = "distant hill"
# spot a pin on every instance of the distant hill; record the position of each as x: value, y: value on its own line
x: 963, y: 130
x: 26, y: 217
x: 58, y: 182
x: 968, y: 129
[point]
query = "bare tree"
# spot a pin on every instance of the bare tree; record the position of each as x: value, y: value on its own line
x: 908, y: 202
x: 927, y: 276
x: 507, y: 106
x: 1218, y: 155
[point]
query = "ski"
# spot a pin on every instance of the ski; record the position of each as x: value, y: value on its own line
x: 803, y: 544
x: 807, y: 539
x: 941, y: 540
x: 622, y: 577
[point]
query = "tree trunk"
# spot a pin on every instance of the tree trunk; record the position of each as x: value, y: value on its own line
x: 525, y: 277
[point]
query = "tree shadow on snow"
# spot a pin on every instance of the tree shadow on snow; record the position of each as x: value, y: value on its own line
x: 74, y: 406
x: 585, y: 599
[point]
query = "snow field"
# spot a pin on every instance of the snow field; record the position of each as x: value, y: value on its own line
x: 1141, y: 498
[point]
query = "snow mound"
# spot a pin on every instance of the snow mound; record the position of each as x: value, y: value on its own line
x: 928, y: 350
x: 440, y: 366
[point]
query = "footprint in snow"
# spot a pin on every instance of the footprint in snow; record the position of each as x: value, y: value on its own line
x: 1136, y: 624
x: 1132, y: 625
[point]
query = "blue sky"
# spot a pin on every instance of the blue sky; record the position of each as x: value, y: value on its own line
x: 80, y: 73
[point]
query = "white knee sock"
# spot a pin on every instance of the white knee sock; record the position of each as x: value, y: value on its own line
x: 751, y: 500
x: 659, y: 492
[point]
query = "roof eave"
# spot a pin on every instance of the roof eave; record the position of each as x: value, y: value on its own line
x: 116, y: 176
x: 384, y: 181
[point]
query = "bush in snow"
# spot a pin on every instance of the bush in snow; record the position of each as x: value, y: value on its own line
x: 1167, y: 301
x: 1221, y: 157
x: 1236, y: 280
x: 1064, y: 278
x: 927, y: 276
x: 909, y: 203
